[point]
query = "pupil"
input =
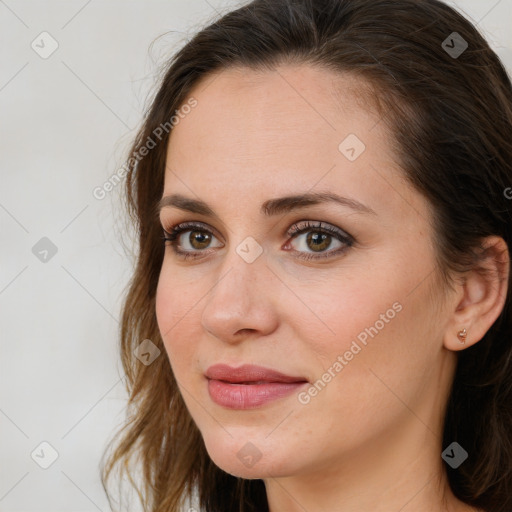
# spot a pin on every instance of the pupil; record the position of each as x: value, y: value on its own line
x: 199, y: 238
x: 318, y: 240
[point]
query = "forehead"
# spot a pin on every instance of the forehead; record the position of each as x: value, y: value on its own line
x: 282, y: 131
x: 303, y: 108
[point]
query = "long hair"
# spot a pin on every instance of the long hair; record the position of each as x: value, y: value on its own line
x: 447, y: 100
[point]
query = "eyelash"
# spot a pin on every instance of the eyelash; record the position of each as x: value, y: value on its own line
x: 171, y: 235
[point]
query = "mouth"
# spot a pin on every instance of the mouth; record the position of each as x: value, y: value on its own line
x: 249, y: 386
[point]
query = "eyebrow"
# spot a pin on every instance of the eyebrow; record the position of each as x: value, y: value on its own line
x: 268, y: 208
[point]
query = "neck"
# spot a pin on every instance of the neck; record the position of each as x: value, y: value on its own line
x: 402, y: 470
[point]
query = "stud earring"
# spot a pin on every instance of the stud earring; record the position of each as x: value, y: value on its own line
x: 462, y: 336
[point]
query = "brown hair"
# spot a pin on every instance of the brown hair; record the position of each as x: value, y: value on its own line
x: 451, y: 117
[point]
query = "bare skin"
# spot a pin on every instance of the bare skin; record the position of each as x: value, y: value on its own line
x: 371, y: 438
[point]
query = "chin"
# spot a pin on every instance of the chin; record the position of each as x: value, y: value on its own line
x: 247, y: 459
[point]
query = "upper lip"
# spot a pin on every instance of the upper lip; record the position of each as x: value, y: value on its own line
x: 248, y: 373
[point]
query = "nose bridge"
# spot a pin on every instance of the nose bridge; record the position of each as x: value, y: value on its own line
x: 236, y: 301
x: 239, y: 274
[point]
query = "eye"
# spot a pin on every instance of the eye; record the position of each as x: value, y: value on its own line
x: 194, y: 245
x: 319, y: 238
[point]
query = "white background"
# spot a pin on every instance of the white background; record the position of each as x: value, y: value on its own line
x: 65, y: 125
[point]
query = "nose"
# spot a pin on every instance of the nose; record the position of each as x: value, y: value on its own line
x: 242, y: 301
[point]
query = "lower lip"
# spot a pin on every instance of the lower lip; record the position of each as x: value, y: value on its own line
x: 249, y: 396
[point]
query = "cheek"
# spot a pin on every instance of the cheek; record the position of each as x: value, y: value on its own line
x: 178, y: 294
x: 339, y: 308
x: 384, y: 347
x: 363, y: 322
x: 177, y: 321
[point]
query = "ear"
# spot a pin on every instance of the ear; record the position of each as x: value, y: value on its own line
x: 480, y: 296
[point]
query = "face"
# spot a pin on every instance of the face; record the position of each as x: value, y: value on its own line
x: 338, y: 294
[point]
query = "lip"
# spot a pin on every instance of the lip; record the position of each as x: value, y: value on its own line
x: 249, y: 386
x: 248, y: 373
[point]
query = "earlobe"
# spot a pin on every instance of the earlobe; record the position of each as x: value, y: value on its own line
x: 462, y: 335
x: 481, y: 297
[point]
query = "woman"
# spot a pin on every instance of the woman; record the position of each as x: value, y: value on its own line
x: 322, y: 196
